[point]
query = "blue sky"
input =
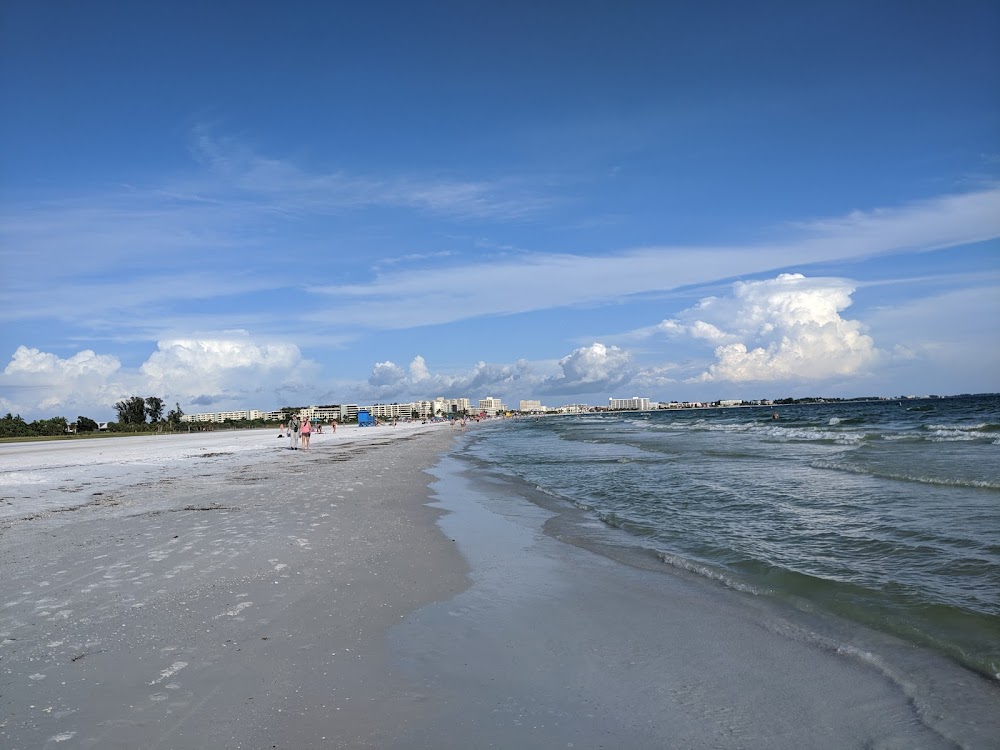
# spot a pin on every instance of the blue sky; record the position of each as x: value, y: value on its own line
x: 240, y: 205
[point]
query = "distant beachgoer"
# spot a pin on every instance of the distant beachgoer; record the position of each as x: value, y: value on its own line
x: 774, y: 416
x: 293, y: 432
x: 333, y: 425
x: 281, y: 430
x: 306, y: 431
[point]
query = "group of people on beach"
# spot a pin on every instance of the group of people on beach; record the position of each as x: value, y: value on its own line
x: 297, y: 430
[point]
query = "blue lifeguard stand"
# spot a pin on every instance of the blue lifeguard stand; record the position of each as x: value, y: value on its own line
x: 365, y: 418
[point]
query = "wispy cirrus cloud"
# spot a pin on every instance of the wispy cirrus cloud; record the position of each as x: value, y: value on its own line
x: 547, y: 280
x: 285, y: 186
x: 135, y: 252
x: 232, y: 200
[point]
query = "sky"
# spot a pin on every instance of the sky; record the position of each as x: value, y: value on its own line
x: 250, y: 205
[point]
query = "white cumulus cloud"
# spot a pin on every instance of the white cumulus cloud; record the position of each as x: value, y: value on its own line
x: 222, y: 371
x: 786, y: 328
x: 386, y: 374
x: 418, y: 369
x: 390, y: 382
x: 219, y: 364
x: 45, y: 381
x: 593, y: 368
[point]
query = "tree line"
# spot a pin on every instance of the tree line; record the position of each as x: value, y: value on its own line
x: 135, y: 411
x: 13, y: 426
x: 135, y: 414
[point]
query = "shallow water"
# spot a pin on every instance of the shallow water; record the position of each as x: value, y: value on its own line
x: 883, y: 513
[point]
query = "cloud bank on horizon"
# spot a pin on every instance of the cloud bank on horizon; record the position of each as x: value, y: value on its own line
x: 551, y: 228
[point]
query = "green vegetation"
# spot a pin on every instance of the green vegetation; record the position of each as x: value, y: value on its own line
x: 174, y: 415
x: 132, y: 415
x: 14, y: 427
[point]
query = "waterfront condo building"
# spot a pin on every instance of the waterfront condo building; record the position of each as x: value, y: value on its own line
x: 631, y: 404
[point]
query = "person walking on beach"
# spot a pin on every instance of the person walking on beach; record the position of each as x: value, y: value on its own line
x: 306, y: 431
x: 293, y: 432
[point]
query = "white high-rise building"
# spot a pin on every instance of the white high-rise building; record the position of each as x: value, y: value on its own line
x: 450, y: 406
x: 222, y: 416
x: 631, y: 404
x: 491, y: 405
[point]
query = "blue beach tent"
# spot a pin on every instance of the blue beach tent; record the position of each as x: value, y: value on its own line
x: 365, y: 418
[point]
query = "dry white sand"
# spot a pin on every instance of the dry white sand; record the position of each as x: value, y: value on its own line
x: 221, y: 591
x: 59, y: 475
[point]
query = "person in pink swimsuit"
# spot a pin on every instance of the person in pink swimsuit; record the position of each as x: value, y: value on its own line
x: 305, y: 431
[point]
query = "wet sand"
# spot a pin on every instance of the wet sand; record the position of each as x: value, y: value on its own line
x: 265, y: 598
x: 553, y: 645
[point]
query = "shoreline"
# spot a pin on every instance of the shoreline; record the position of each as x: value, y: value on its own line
x: 381, y: 592
x: 648, y: 638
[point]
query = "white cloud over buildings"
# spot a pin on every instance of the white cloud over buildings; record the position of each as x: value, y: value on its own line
x: 225, y: 368
x: 230, y: 361
x: 42, y: 381
x: 590, y: 369
x: 386, y: 373
x: 787, y: 330
x: 780, y: 329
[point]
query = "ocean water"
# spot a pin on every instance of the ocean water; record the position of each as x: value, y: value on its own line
x: 885, y: 514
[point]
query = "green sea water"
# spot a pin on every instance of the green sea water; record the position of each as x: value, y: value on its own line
x: 883, y: 513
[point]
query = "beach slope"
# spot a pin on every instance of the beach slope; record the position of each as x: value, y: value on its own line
x: 214, y: 591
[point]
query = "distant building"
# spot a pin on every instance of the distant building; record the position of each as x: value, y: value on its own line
x: 573, y: 409
x: 222, y: 416
x: 329, y: 413
x: 392, y: 411
x: 491, y: 406
x: 451, y: 406
x: 630, y: 404
x: 531, y: 406
x: 343, y: 413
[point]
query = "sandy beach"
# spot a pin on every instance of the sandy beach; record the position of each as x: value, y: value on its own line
x: 220, y: 591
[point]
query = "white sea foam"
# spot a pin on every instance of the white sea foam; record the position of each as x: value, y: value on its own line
x: 952, y: 436
x: 707, y: 571
x: 958, y: 427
